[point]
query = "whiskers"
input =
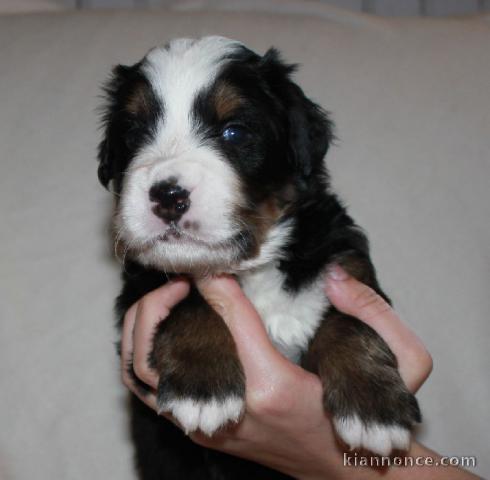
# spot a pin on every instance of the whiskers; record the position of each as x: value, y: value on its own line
x: 121, y: 244
x: 176, y: 251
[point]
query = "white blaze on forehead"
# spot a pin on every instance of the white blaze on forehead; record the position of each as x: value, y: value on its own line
x: 177, y: 74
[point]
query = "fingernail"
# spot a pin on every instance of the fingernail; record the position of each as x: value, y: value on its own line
x: 336, y: 272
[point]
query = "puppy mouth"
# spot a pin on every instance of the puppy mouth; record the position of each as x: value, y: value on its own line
x: 182, y: 252
x: 176, y: 234
x: 178, y: 237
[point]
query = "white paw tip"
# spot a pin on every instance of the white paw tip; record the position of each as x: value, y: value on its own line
x: 375, y: 437
x: 205, y: 415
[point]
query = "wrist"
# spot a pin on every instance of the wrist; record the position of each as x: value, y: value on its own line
x: 329, y: 463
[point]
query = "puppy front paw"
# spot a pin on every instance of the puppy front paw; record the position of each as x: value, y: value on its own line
x: 376, y: 437
x: 377, y: 417
x: 201, y: 396
x: 201, y: 379
x: 369, y: 403
x: 207, y: 415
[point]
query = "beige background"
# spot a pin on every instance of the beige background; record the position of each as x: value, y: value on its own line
x: 411, y: 102
x: 379, y: 7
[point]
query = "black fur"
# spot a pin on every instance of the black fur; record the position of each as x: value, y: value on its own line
x: 125, y: 130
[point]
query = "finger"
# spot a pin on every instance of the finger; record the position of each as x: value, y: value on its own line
x: 148, y: 397
x: 127, y: 345
x: 254, y: 347
x: 358, y: 300
x: 151, y: 310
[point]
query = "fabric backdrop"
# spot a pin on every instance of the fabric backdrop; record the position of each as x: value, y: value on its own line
x: 411, y: 102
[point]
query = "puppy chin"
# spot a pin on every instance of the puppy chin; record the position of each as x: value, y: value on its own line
x: 189, y: 257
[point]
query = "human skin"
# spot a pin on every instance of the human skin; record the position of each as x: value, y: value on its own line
x: 280, y: 428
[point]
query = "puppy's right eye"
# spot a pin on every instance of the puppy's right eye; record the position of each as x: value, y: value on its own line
x: 235, y: 134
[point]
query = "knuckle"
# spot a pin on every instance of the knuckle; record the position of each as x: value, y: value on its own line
x: 144, y: 305
x: 365, y: 296
x: 125, y: 378
x: 218, y: 304
x: 264, y: 405
x: 149, y: 301
x: 420, y: 359
x: 368, y: 299
x: 273, y: 401
x: 426, y: 362
x: 146, y: 317
x: 141, y: 370
x: 130, y: 312
x: 126, y: 316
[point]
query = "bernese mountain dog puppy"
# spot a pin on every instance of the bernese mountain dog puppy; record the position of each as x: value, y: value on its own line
x: 216, y: 159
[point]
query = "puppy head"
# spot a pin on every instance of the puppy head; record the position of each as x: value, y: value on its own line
x: 209, y: 147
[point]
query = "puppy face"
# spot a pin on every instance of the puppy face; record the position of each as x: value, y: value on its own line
x: 210, y: 147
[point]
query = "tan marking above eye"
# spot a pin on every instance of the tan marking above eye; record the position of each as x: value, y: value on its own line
x: 226, y: 100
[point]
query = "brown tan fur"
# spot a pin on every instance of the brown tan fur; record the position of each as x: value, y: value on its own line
x: 195, y: 354
x: 226, y: 100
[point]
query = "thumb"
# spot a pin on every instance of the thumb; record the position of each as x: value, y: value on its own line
x: 255, y: 350
x: 354, y: 298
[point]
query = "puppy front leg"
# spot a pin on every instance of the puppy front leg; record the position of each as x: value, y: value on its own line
x: 202, y: 383
x: 370, y: 405
x: 363, y: 391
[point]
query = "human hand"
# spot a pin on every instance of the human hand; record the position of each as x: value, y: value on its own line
x: 280, y: 429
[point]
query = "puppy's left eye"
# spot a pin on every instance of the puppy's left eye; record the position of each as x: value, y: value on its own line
x: 235, y: 134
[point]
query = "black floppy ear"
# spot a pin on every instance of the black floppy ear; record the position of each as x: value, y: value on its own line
x: 104, y: 171
x: 309, y: 130
x: 106, y: 152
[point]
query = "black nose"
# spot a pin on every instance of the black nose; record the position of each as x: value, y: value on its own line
x: 172, y: 201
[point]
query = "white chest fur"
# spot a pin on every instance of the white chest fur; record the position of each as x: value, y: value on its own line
x: 291, y: 319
